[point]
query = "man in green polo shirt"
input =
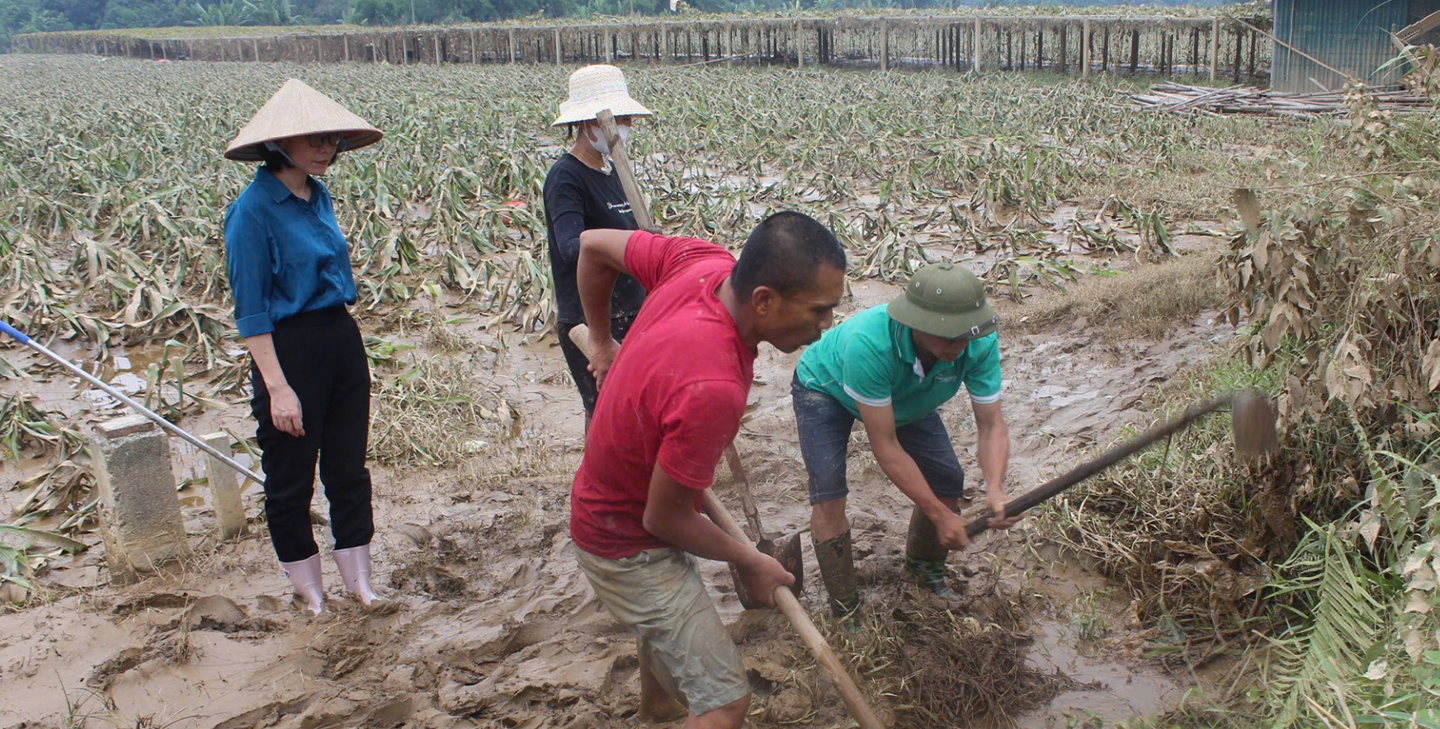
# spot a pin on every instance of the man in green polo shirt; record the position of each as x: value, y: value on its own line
x: 891, y: 366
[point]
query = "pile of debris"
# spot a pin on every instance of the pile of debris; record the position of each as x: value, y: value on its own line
x: 1184, y: 99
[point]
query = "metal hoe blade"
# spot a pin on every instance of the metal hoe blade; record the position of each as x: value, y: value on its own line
x: 1252, y: 420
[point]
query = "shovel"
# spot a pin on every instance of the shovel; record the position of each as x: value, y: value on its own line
x: 786, y: 550
x: 1252, y: 423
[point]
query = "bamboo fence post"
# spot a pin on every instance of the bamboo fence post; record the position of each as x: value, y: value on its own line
x: 729, y: 45
x: 1239, y: 50
x: 557, y: 46
x: 1134, y: 51
x: 1064, y: 49
x: 799, y: 47
x: 975, y: 57
x: 884, y: 45
x: 1253, y: 37
x: 1085, y: 49
x: 1195, y: 51
x: 513, y: 50
x: 1214, y: 47
x: 438, y: 59
x: 1040, y: 49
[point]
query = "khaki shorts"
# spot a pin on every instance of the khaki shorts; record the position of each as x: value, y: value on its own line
x: 658, y: 594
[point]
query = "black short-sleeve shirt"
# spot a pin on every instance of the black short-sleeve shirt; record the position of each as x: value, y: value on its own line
x: 578, y: 198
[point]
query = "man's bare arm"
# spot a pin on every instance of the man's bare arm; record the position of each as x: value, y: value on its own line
x: 670, y: 515
x: 993, y: 451
x: 903, y: 471
x: 602, y: 260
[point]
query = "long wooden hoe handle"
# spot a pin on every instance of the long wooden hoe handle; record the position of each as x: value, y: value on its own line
x: 790, y: 606
x: 785, y: 600
x: 979, y: 517
x: 620, y: 157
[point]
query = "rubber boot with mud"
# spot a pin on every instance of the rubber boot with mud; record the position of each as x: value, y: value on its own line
x: 925, y: 556
x: 309, y: 585
x: 354, y: 564
x: 837, y: 570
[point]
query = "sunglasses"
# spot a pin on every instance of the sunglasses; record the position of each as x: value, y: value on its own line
x: 322, y: 140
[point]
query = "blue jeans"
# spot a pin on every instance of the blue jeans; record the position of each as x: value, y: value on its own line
x: 825, y: 427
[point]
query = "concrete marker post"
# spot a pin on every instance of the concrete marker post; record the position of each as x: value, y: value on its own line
x: 224, y: 489
x: 140, y: 517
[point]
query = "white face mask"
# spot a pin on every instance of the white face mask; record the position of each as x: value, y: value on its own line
x: 597, y: 139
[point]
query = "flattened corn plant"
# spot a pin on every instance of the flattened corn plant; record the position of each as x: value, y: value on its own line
x: 113, y: 188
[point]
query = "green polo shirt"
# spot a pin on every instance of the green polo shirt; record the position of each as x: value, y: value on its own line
x: 870, y: 359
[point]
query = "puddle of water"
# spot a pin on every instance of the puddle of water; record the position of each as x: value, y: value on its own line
x: 1121, y: 692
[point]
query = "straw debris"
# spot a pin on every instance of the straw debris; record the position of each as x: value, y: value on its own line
x: 942, y: 667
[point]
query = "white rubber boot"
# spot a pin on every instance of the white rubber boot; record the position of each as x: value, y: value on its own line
x: 354, y: 564
x: 309, y: 585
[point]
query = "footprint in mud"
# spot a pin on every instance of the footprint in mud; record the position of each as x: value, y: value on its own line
x: 165, y: 647
x: 156, y: 601
x: 428, y: 579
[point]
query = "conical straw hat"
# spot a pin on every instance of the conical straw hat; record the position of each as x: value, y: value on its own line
x: 594, y: 88
x: 294, y: 110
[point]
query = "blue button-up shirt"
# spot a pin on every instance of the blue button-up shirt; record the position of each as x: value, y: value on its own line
x: 285, y: 255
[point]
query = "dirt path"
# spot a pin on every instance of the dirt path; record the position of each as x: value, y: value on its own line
x: 495, y: 627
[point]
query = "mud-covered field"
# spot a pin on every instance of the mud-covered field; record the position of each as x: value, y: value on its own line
x: 111, y: 251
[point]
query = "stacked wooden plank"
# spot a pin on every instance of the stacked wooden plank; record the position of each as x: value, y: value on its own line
x: 1185, y: 99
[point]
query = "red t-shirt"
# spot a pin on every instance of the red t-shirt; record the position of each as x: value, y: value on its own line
x: 674, y: 395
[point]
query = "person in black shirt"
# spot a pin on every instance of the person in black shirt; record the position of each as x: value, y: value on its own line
x: 583, y: 193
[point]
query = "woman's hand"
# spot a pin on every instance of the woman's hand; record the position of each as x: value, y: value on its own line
x: 285, y: 411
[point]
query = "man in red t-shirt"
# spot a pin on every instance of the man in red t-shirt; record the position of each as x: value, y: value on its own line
x: 670, y: 401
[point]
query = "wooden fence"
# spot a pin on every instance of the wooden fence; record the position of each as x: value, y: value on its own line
x: 1217, y: 47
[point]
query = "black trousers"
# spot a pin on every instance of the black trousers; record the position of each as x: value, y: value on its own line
x: 323, y: 357
x: 580, y: 365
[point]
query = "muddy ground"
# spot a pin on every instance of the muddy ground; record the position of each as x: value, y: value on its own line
x: 494, y: 625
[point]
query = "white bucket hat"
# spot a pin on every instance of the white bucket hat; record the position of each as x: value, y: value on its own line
x: 594, y: 88
x: 295, y: 110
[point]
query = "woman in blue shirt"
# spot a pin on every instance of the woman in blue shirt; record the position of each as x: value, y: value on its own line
x: 289, y: 269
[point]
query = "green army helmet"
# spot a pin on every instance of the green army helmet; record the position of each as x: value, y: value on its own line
x: 947, y: 301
